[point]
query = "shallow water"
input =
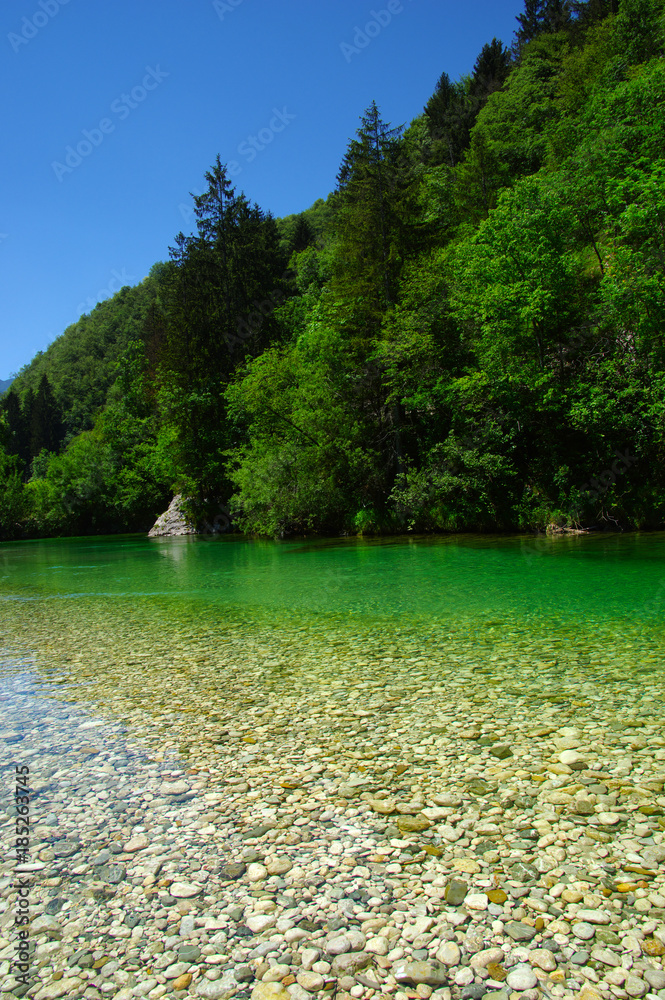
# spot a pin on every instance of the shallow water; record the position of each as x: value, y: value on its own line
x: 290, y: 682
x: 601, y: 576
x: 209, y: 625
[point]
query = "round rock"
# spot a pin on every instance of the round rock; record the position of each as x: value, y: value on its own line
x: 521, y: 977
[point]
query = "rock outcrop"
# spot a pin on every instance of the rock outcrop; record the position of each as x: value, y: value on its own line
x: 173, y: 521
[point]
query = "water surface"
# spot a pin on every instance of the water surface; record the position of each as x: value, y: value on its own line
x: 157, y: 626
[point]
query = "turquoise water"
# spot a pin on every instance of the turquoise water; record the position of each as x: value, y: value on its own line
x: 178, y: 634
x: 604, y: 578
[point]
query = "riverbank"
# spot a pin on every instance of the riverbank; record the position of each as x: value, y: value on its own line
x: 309, y: 811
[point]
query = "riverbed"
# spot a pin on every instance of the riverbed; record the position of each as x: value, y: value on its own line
x: 413, y: 767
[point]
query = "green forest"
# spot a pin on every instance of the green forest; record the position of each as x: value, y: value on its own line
x: 467, y: 334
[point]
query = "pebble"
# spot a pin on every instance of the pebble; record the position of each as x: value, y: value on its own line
x: 521, y: 977
x: 322, y: 830
x: 310, y: 981
x: 449, y: 954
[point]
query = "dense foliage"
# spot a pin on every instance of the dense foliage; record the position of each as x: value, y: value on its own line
x: 467, y: 334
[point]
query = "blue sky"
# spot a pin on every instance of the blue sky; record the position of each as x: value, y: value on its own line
x: 114, y: 110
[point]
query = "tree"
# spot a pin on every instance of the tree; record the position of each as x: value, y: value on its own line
x: 366, y: 259
x: 450, y: 113
x: 541, y: 17
x: 15, y: 432
x: 303, y: 235
x: 220, y: 293
x: 491, y: 69
x: 46, y: 430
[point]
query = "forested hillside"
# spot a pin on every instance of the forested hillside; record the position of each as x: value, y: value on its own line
x: 467, y: 334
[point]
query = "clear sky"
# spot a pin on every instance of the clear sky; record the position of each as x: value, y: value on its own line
x: 114, y: 110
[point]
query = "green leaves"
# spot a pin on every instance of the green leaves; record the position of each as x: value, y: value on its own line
x: 515, y: 279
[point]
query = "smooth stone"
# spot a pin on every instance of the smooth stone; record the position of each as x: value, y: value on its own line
x: 377, y: 946
x: 573, y: 759
x: 276, y: 973
x: 357, y: 939
x: 138, y: 843
x: 429, y: 973
x: 64, y: 987
x: 174, y: 788
x: 456, y: 891
x: 270, y: 991
x: 176, y: 970
x: 605, y: 956
x: 219, y: 990
x: 413, y: 824
x: 308, y: 956
x: 234, y: 869
x: 593, y: 916
x: 543, y: 959
x: 583, y: 931
x: 46, y: 925
x: 476, y: 901
x: 184, y: 890
x: 181, y: 983
x: 518, y: 931
x: 189, y: 953
x: 279, y: 866
x: 384, y: 807
x: 339, y: 945
x: 114, y: 874
x: 244, y: 974
x: 634, y: 986
x: 655, y: 978
x: 260, y: 922
x: 310, y: 981
x: 488, y: 956
x: 608, y: 818
x: 521, y: 977
x: 449, y: 954
x: 350, y: 964
x: 467, y: 866
x: 256, y: 872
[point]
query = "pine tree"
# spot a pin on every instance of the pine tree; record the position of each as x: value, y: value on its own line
x: 588, y: 12
x: 303, y: 235
x: 450, y: 113
x: 15, y: 432
x: 367, y: 183
x: 45, y: 426
x: 220, y: 292
x: 540, y: 17
x: 491, y: 69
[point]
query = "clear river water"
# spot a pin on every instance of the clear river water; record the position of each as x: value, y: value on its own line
x: 538, y: 616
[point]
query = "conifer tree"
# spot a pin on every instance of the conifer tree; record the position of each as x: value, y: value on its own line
x: 303, y: 235
x: 491, y: 69
x: 450, y: 113
x: 367, y: 188
x: 45, y: 428
x: 540, y: 17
